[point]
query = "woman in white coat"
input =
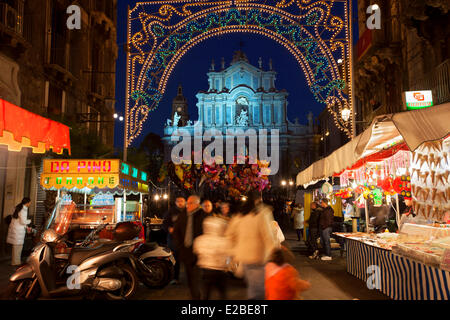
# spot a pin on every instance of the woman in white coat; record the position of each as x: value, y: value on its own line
x: 299, y: 217
x: 17, y: 230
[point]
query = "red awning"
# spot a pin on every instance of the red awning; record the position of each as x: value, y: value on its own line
x: 20, y: 128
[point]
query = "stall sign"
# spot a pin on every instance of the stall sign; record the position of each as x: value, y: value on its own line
x: 103, y: 200
x: 418, y: 99
x: 79, y: 181
x: 52, y: 166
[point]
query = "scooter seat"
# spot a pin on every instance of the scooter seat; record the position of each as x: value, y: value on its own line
x: 78, y: 255
x: 147, y: 247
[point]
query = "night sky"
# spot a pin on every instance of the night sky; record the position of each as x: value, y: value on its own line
x: 191, y: 72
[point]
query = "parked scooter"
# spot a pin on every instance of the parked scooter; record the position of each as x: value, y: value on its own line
x: 106, y: 268
x: 155, y: 264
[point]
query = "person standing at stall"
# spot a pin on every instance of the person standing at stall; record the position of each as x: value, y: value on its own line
x: 189, y: 226
x: 326, y: 227
x: 170, y: 219
x: 314, y: 229
x: 17, y: 230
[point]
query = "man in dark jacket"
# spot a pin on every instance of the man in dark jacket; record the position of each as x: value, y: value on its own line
x: 170, y: 218
x: 314, y: 229
x: 189, y: 226
x: 326, y: 228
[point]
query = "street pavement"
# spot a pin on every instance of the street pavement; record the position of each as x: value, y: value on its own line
x: 329, y: 280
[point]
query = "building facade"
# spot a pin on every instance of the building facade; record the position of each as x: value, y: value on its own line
x: 57, y: 73
x: 410, y: 52
x: 242, y: 96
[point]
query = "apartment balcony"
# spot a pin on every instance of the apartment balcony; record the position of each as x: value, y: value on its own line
x: 11, y: 31
x: 438, y: 81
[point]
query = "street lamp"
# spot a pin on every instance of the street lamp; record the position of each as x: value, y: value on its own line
x: 165, y: 197
x: 291, y: 183
x: 283, y: 183
x: 157, y: 197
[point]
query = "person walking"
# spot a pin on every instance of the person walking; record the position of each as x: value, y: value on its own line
x: 326, y: 227
x: 17, y: 231
x: 314, y: 229
x: 253, y: 240
x: 189, y: 226
x: 298, y: 214
x: 170, y: 218
x: 213, y: 250
x: 282, y: 280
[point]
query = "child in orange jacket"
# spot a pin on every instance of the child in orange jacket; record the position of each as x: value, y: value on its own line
x: 282, y: 279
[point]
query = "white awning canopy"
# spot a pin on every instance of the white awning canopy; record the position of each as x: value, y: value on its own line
x: 412, y: 127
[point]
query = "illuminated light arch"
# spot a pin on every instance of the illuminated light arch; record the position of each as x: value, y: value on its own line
x: 308, y: 29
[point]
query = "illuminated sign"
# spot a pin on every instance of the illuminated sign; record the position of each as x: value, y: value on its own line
x: 418, y: 99
x: 81, y: 166
x: 134, y: 173
x: 101, y: 174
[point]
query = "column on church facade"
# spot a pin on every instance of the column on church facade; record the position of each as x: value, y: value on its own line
x: 261, y: 112
x: 224, y: 114
x: 272, y: 112
x: 213, y: 110
x: 250, y: 113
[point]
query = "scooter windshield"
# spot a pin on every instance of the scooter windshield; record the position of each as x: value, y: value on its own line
x: 61, y: 217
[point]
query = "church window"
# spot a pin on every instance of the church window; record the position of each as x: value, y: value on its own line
x: 218, y: 85
x: 228, y: 83
x: 209, y: 115
x: 236, y: 79
x: 267, y: 119
x: 255, y: 114
x: 255, y: 82
x: 229, y: 115
x: 266, y: 84
x: 218, y: 113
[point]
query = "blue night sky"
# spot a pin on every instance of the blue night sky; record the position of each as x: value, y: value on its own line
x: 191, y: 72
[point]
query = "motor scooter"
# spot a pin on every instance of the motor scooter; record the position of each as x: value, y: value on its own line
x: 155, y: 263
x: 103, y: 268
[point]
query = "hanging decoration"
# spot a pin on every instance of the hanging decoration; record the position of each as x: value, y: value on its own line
x: 160, y: 33
x: 232, y: 180
x: 430, y: 183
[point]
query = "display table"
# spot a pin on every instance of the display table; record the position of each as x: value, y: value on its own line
x: 401, y: 278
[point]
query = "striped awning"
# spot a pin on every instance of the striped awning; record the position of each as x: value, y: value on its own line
x: 412, y: 128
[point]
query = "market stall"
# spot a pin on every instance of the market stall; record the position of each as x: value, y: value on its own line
x: 111, y: 189
x: 407, y: 155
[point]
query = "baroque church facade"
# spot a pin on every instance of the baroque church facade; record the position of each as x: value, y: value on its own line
x: 242, y: 96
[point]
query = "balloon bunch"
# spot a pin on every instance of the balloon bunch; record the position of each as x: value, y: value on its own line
x: 402, y: 186
x: 344, y: 193
x: 235, y: 179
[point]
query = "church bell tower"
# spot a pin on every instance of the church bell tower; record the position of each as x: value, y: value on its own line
x: 180, y: 106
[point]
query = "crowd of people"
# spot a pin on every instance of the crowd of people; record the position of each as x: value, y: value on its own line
x: 213, y: 241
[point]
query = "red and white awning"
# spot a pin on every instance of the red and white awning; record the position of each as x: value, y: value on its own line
x: 412, y: 128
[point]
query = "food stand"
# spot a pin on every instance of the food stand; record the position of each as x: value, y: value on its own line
x: 413, y: 263
x: 106, y: 185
